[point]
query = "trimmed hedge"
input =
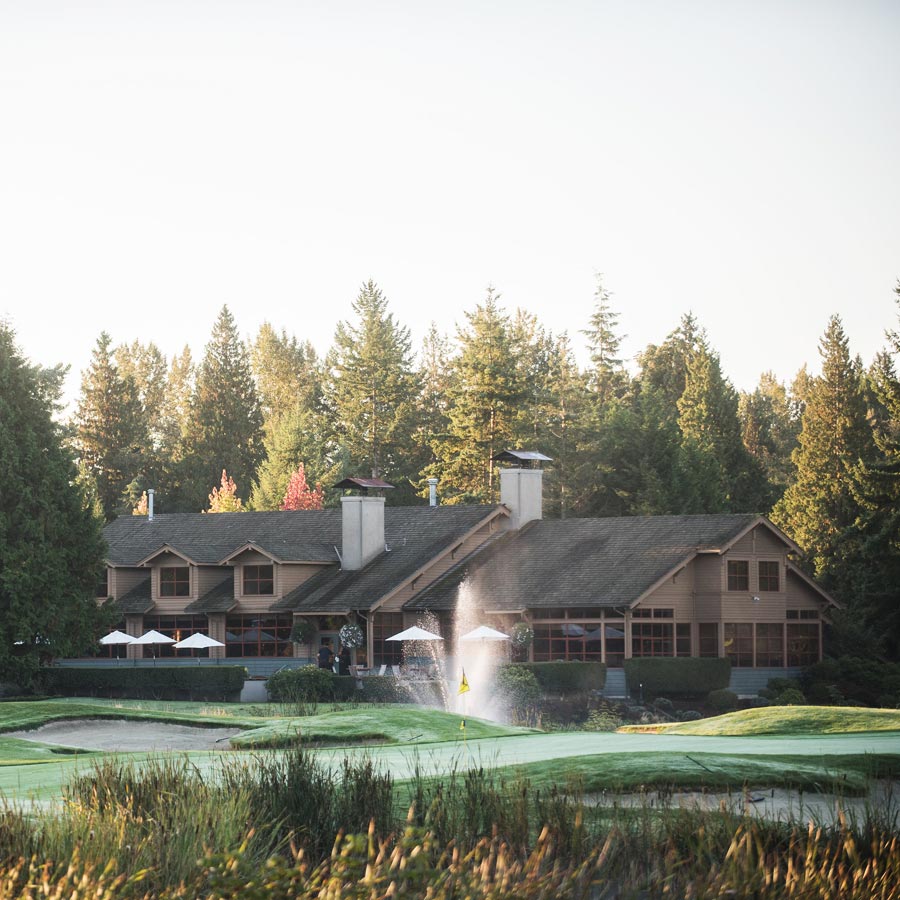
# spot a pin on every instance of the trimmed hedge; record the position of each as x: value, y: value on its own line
x: 309, y: 684
x: 677, y: 676
x: 567, y: 677
x: 147, y: 683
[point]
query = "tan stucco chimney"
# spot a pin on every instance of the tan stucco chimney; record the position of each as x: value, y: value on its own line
x: 362, y: 531
x: 362, y: 522
x: 521, y: 486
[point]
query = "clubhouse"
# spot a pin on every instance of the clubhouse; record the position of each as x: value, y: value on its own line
x: 591, y: 589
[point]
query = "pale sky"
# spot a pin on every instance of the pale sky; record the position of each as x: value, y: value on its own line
x: 738, y: 159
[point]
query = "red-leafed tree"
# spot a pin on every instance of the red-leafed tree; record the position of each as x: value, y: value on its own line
x: 224, y: 498
x: 300, y: 496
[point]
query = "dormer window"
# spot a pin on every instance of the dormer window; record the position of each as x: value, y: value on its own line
x: 259, y: 581
x: 174, y: 581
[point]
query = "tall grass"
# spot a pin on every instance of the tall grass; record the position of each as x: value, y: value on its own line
x: 284, y: 825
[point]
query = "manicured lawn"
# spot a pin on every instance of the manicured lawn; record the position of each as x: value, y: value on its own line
x: 783, y: 720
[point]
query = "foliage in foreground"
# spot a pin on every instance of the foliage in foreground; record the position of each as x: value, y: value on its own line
x: 287, y: 827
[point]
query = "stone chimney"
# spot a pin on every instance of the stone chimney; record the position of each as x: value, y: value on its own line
x: 362, y: 523
x: 521, y: 486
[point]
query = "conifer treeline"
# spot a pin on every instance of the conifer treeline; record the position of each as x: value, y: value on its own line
x: 821, y: 455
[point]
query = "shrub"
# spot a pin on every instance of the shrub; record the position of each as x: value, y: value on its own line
x: 147, y: 683
x: 308, y: 684
x: 677, y: 676
x: 776, y: 686
x: 664, y: 704
x: 567, y: 677
x: 722, y: 700
x: 383, y: 689
x: 838, y: 681
x: 518, y: 688
x: 689, y: 715
x: 790, y: 697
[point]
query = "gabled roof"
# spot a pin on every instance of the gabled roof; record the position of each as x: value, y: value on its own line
x: 217, y: 599
x: 137, y: 601
x: 583, y: 562
x: 207, y: 539
x: 415, y: 536
x: 796, y: 570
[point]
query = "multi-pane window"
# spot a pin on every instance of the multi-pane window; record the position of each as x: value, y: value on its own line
x: 103, y: 584
x: 652, y: 639
x: 642, y: 612
x: 614, y: 632
x: 708, y: 632
x: 174, y: 581
x: 802, y: 644
x: 739, y: 643
x: 768, y: 575
x: 738, y: 575
x: 259, y: 581
x: 683, y: 639
x: 802, y: 614
x: 386, y: 652
x: 176, y: 627
x: 568, y: 640
x: 252, y: 635
x: 769, y: 644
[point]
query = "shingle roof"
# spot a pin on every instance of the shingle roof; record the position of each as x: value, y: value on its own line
x: 415, y: 535
x: 218, y: 599
x: 581, y: 562
x: 137, y: 601
x: 295, y: 536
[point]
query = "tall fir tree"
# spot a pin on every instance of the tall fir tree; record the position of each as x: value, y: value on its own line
x: 109, y: 433
x: 51, y: 545
x: 819, y: 505
x: 485, y: 394
x: 371, y: 389
x: 607, y: 377
x: 225, y: 415
x: 173, y: 492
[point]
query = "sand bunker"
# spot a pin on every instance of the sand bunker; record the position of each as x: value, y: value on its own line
x: 120, y: 734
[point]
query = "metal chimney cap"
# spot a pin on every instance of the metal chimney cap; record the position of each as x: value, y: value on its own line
x: 527, y: 458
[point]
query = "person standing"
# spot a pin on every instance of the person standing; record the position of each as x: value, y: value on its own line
x: 326, y: 657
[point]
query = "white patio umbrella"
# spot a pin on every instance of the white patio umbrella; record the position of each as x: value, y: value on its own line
x: 154, y: 637
x: 198, y: 641
x: 415, y: 634
x: 484, y: 633
x: 116, y: 638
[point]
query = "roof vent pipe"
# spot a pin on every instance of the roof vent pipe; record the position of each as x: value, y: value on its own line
x: 150, y: 494
x: 432, y: 491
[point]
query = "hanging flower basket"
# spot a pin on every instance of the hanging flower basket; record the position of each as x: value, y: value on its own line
x: 304, y: 631
x: 351, y: 636
x: 522, y: 634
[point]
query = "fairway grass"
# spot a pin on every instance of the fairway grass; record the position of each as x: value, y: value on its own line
x: 782, y: 720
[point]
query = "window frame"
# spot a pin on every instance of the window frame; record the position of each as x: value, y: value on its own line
x: 745, y: 576
x: 764, y: 581
x: 259, y: 579
x: 174, y: 593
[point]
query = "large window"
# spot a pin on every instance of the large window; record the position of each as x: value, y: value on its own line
x: 769, y: 644
x: 768, y: 575
x: 176, y: 627
x: 103, y: 584
x: 174, y: 581
x: 652, y: 639
x: 803, y: 644
x: 568, y: 640
x: 739, y: 644
x: 708, y: 632
x: 259, y: 581
x: 385, y: 652
x: 683, y: 639
x: 738, y: 575
x: 253, y: 635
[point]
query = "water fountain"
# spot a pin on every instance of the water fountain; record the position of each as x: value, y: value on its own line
x: 479, y: 659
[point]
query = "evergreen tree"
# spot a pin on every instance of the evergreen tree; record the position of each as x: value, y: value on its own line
x: 109, y: 429
x: 371, y: 393
x: 432, y: 414
x: 225, y: 416
x: 607, y: 376
x: 174, y: 492
x: 819, y: 505
x: 288, y: 374
x: 486, y: 392
x: 51, y: 545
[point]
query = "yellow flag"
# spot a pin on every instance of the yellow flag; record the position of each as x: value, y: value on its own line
x: 464, y: 684
x: 462, y: 725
